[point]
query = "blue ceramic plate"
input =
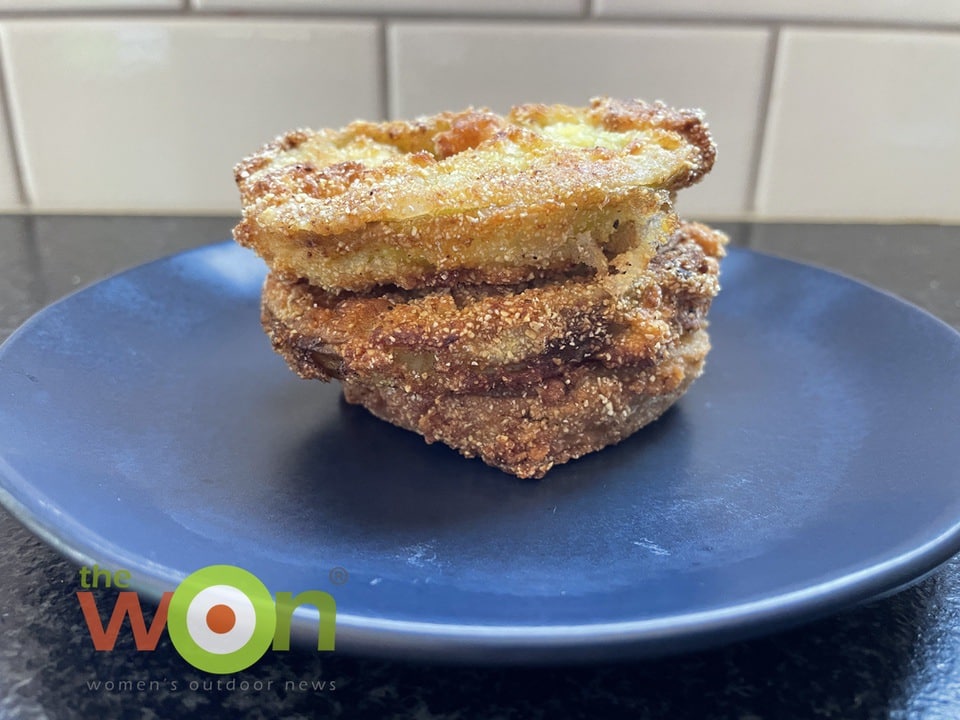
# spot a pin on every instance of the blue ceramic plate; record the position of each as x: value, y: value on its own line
x: 146, y: 424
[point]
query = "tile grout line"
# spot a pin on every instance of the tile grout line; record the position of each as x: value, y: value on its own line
x: 766, y: 96
x: 384, y: 88
x: 616, y: 20
x: 13, y: 136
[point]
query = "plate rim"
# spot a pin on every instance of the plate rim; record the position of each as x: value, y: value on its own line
x: 454, y: 642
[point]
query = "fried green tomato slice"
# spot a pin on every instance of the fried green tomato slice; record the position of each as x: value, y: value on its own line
x: 469, y: 197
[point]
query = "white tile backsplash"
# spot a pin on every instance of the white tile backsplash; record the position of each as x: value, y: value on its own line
x: 9, y: 187
x: 129, y: 115
x: 445, y: 7
x: 145, y: 105
x: 449, y: 66
x: 9, y: 184
x: 892, y: 11
x: 71, y: 5
x: 863, y: 125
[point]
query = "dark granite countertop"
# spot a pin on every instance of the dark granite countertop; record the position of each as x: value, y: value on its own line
x: 897, y: 657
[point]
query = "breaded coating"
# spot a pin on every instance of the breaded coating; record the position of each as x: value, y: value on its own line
x: 486, y: 338
x: 469, y: 197
x: 517, y: 287
x: 548, y: 422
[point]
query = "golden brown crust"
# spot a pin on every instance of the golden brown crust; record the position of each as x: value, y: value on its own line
x: 469, y: 196
x: 549, y: 422
x: 484, y: 338
x: 516, y: 287
x: 485, y: 247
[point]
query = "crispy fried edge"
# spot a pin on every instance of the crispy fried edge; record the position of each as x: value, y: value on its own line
x: 448, y: 250
x: 511, y: 336
x: 364, y: 252
x: 550, y: 422
x: 412, y: 137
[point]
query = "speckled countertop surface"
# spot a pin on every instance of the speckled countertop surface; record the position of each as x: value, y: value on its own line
x: 897, y: 657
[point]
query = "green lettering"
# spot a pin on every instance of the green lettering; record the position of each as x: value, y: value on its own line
x: 326, y: 606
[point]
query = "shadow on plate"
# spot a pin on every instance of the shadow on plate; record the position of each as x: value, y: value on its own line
x: 361, y: 469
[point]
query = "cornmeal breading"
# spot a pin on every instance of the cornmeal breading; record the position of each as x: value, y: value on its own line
x: 548, y: 422
x: 469, y: 197
x: 518, y: 288
x: 486, y: 337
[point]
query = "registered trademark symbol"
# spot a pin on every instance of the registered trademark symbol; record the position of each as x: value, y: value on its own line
x: 339, y: 575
